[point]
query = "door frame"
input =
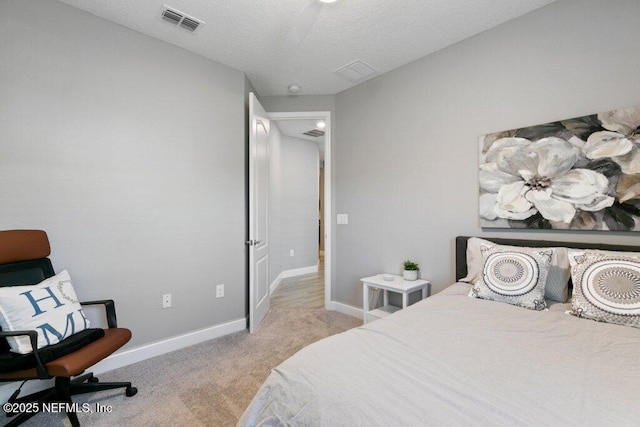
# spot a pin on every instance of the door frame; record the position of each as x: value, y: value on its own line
x: 326, y: 117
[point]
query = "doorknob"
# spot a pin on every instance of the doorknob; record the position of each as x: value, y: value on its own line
x: 253, y: 242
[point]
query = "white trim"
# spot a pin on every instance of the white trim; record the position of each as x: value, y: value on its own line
x: 138, y: 354
x: 275, y: 283
x: 292, y: 273
x: 177, y: 342
x: 328, y: 214
x: 347, y: 309
x: 299, y: 271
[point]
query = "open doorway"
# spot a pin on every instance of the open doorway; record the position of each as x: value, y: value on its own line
x: 264, y: 273
x: 307, y: 182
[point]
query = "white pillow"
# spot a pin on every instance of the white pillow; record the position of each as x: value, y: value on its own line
x: 51, y: 308
x: 606, y: 287
x: 557, y: 285
x: 514, y: 277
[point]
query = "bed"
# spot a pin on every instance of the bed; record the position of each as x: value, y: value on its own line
x: 452, y: 359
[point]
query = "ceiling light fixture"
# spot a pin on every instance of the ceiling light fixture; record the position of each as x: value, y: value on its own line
x: 328, y: 1
x: 293, y: 89
x: 321, y: 124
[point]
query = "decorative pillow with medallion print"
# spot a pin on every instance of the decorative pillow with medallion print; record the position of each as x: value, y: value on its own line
x: 606, y: 287
x: 516, y: 277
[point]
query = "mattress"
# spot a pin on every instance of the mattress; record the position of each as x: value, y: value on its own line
x: 455, y: 360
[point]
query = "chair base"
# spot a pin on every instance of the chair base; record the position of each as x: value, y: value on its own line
x: 61, y: 393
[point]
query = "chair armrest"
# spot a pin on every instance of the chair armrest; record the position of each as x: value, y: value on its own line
x: 110, y: 308
x: 33, y: 338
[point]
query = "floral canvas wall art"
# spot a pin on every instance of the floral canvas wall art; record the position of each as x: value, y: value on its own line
x: 576, y: 174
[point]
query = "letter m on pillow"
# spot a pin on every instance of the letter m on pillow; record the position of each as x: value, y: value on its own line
x: 46, y: 327
x: 49, y: 303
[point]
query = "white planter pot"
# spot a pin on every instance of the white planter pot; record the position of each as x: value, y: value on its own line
x: 410, y: 274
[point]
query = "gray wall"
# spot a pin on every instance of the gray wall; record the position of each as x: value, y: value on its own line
x: 275, y: 203
x: 299, y: 203
x: 406, y: 145
x: 141, y: 188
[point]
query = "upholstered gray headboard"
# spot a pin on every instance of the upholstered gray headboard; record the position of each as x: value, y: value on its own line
x: 461, y: 248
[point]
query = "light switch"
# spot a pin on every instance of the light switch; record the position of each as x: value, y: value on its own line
x: 343, y: 218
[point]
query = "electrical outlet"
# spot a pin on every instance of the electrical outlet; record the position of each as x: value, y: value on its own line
x: 219, y: 291
x: 166, y: 301
x: 291, y: 252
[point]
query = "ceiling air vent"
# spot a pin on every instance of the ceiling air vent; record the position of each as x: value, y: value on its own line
x: 357, y: 71
x: 182, y: 20
x: 189, y: 24
x: 314, y: 132
x: 171, y: 16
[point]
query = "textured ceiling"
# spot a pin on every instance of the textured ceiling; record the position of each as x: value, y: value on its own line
x: 251, y: 35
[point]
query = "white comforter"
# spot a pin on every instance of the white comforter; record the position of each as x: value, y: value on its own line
x: 455, y: 360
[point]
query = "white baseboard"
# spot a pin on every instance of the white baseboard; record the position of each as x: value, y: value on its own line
x: 138, y: 354
x: 292, y: 273
x: 147, y: 351
x: 299, y: 271
x: 275, y: 283
x: 346, y: 309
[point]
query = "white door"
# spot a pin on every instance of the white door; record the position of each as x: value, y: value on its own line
x: 259, y: 298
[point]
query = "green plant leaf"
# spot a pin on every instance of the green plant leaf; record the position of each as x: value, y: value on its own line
x: 410, y: 265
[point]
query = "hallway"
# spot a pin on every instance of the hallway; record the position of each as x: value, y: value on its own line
x: 305, y: 291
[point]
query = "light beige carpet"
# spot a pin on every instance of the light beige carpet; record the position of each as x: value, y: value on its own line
x: 209, y: 384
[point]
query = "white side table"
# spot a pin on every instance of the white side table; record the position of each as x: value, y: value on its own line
x: 399, y: 285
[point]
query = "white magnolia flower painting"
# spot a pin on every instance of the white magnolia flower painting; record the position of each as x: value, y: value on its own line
x: 576, y: 174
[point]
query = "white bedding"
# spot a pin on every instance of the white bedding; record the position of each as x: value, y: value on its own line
x: 455, y: 360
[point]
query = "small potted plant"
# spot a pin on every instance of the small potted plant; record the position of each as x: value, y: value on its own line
x: 410, y: 270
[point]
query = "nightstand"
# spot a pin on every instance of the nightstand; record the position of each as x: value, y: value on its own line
x: 398, y: 285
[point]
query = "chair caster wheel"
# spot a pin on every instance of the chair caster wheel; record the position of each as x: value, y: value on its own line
x: 93, y: 380
x: 130, y: 391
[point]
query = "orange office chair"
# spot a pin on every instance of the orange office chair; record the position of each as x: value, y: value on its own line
x: 24, y: 261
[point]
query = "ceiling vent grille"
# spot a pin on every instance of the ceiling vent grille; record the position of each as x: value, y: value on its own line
x: 171, y: 16
x: 314, y: 132
x: 189, y: 24
x: 182, y: 20
x: 357, y: 71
